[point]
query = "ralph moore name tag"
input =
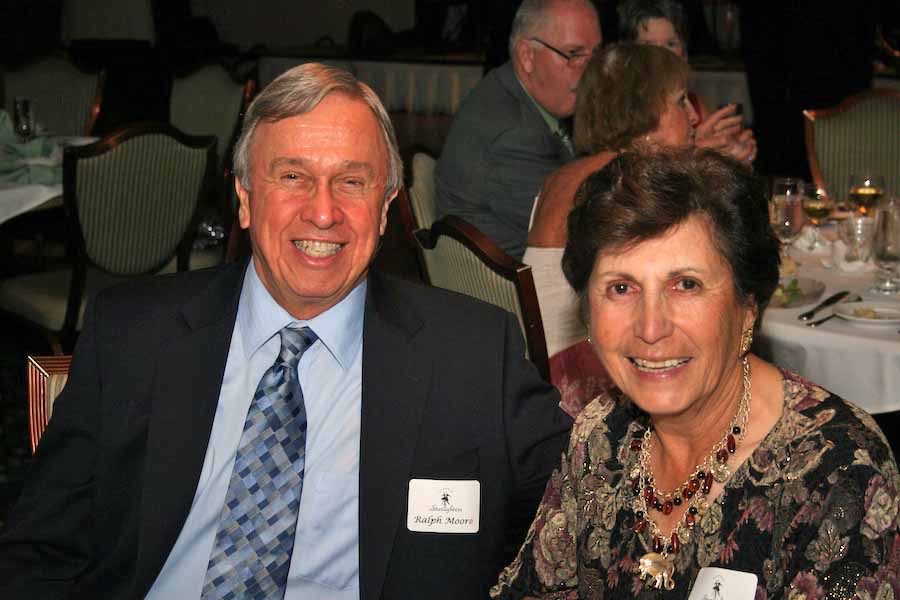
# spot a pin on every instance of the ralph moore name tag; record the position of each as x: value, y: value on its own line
x: 443, y: 506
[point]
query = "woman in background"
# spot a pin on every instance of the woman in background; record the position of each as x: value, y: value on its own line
x: 662, y: 23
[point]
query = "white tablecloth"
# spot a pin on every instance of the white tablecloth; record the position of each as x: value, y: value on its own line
x: 860, y: 364
x: 16, y: 198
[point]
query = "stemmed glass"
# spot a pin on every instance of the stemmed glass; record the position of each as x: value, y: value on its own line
x: 23, y: 119
x: 817, y: 206
x: 886, y: 247
x: 785, y: 210
x: 865, y: 190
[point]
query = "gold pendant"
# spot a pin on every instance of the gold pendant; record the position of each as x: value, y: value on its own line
x: 721, y: 472
x: 660, y: 569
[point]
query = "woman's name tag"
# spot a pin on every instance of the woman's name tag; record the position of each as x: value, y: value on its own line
x: 443, y: 506
x: 713, y: 583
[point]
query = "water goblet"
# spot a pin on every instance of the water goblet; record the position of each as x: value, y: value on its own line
x: 23, y: 119
x: 786, y: 210
x: 856, y: 232
x: 886, y: 247
x: 865, y: 190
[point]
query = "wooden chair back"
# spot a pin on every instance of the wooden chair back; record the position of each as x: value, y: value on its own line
x: 47, y: 375
x: 460, y: 258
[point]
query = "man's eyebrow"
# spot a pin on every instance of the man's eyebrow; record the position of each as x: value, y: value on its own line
x: 346, y: 165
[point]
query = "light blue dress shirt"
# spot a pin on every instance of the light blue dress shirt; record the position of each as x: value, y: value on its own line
x: 325, y: 561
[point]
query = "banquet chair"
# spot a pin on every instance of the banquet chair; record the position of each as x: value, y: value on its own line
x: 65, y: 100
x: 460, y: 258
x: 47, y: 375
x: 209, y: 101
x: 421, y: 193
x: 132, y: 200
x: 862, y: 133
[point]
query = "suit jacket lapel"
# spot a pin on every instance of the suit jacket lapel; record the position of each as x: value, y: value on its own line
x: 186, y: 393
x: 396, y: 376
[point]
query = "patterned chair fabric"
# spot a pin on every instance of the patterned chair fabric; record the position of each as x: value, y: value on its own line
x: 862, y: 133
x: 47, y: 376
x: 135, y: 201
x: 460, y: 258
x: 65, y: 100
x: 134, y: 195
x: 421, y: 193
x: 209, y: 102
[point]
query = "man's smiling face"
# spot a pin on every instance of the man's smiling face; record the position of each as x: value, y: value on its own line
x: 316, y: 205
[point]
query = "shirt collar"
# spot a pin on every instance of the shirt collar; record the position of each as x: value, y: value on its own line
x: 339, y: 328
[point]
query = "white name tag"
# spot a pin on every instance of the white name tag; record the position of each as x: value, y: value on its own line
x: 443, y: 506
x: 713, y: 583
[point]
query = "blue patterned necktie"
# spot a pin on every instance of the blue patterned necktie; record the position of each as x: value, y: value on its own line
x: 252, y: 553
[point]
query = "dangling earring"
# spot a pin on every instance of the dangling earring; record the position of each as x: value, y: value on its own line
x: 746, y: 340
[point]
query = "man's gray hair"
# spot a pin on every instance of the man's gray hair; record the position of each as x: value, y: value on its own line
x: 300, y: 90
x: 530, y: 18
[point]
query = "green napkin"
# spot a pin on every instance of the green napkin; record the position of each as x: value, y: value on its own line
x: 12, y: 153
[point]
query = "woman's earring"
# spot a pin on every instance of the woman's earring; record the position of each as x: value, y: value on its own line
x: 746, y: 340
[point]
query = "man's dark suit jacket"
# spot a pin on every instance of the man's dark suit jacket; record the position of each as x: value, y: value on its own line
x: 497, y: 155
x: 446, y: 394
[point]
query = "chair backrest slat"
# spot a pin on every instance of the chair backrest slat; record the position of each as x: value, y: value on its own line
x: 421, y: 193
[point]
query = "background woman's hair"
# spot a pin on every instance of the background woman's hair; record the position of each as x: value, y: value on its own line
x: 622, y: 94
x: 637, y: 198
x: 634, y: 14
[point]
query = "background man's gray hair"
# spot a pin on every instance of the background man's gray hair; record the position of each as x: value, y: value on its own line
x: 298, y: 91
x: 530, y: 18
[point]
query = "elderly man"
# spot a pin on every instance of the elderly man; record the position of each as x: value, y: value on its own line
x: 507, y: 136
x: 293, y: 427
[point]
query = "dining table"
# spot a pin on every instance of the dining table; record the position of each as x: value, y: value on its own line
x: 855, y: 357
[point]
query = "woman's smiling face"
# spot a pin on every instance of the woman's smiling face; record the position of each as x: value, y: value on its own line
x: 666, y: 321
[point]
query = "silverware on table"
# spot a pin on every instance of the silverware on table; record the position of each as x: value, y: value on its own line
x: 820, y: 321
x: 823, y: 304
x: 853, y: 298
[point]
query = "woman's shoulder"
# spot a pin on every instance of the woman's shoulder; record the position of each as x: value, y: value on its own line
x: 820, y: 432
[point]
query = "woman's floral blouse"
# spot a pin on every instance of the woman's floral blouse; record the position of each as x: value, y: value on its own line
x: 813, y: 512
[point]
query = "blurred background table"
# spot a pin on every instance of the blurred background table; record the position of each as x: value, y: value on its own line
x: 859, y: 363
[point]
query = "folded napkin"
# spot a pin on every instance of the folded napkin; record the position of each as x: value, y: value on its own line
x: 18, y: 160
x: 838, y: 259
x: 808, y: 242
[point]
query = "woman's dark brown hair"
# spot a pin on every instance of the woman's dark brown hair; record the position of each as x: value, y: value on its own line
x: 637, y: 198
x: 622, y: 94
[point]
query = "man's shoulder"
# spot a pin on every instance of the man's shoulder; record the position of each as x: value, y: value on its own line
x: 496, y: 103
x: 436, y: 305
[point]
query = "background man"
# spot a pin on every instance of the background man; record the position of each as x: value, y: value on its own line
x: 507, y: 136
x: 288, y: 427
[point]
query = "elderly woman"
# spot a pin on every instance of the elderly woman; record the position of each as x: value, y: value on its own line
x: 704, y: 456
x: 630, y: 98
x: 662, y: 23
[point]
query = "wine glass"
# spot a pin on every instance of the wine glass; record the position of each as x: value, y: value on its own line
x: 886, y: 247
x: 865, y: 190
x: 23, y: 119
x: 817, y: 206
x: 786, y: 210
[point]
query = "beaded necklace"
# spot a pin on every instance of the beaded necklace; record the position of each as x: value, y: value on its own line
x: 659, y: 564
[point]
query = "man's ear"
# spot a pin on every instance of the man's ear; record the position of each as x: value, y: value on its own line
x: 244, y: 203
x: 384, y: 212
x: 525, y: 55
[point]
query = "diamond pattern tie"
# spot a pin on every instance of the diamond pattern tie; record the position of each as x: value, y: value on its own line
x: 252, y: 552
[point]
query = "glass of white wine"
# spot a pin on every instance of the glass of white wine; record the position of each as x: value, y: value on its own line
x: 865, y: 191
x: 886, y: 247
x: 786, y: 211
x: 817, y: 206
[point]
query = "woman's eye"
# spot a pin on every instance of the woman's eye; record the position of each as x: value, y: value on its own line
x: 619, y: 289
x: 687, y: 284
